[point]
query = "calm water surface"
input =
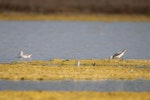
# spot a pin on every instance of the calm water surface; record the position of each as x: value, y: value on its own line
x: 106, y: 85
x: 77, y: 40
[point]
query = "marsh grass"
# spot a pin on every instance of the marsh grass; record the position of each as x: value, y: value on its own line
x: 74, y: 17
x: 85, y: 95
x: 90, y: 69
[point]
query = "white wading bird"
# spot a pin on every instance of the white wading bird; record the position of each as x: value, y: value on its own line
x: 78, y: 63
x: 21, y: 55
x: 118, y: 54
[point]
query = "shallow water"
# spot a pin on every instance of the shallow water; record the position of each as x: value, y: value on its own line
x: 104, y: 86
x: 71, y: 39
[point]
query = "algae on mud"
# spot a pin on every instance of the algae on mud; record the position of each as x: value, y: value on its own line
x: 85, y: 95
x: 90, y: 69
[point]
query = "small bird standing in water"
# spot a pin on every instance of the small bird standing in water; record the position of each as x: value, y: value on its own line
x: 118, y: 55
x: 21, y: 55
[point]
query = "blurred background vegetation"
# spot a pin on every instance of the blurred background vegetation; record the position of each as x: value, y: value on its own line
x: 77, y: 6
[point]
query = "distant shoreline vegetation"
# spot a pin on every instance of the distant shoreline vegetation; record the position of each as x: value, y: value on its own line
x: 141, y: 7
x: 74, y: 17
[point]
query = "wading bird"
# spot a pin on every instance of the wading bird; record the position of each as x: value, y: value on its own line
x: 21, y: 55
x: 118, y: 55
x: 78, y: 63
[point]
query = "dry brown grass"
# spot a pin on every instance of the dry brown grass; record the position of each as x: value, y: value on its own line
x: 92, y: 69
x: 73, y: 17
x: 87, y: 95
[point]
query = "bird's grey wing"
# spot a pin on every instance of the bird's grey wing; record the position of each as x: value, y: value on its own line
x: 116, y: 54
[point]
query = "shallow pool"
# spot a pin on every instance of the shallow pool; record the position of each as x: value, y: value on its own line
x: 69, y: 85
x: 73, y: 39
